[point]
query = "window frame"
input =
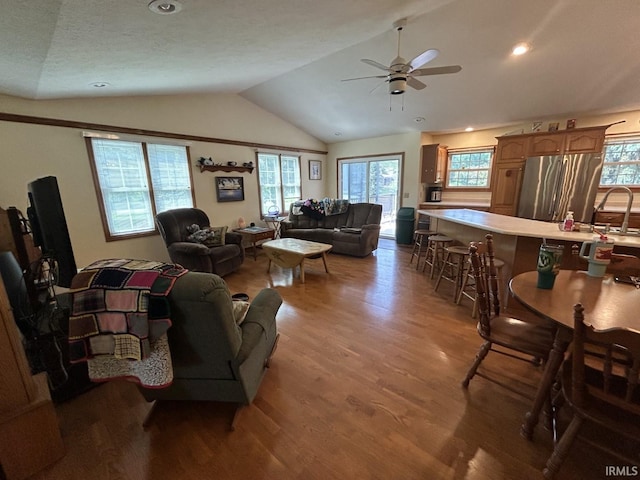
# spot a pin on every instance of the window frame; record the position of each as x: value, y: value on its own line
x: 460, y: 151
x: 285, y: 207
x: 624, y: 138
x: 108, y: 235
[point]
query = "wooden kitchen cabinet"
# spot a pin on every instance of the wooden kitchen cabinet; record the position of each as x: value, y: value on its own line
x: 585, y: 141
x: 510, y: 149
x: 616, y: 218
x: 506, y: 185
x: 513, y: 150
x: 551, y: 144
x: 433, y: 163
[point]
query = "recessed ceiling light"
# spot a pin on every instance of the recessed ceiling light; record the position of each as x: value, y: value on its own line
x: 468, y: 129
x: 165, y: 7
x: 100, y: 84
x: 520, y: 49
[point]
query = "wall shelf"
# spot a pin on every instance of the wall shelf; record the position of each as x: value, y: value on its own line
x: 224, y: 168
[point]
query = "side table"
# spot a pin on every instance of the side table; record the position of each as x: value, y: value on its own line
x: 273, y: 221
x: 254, y: 235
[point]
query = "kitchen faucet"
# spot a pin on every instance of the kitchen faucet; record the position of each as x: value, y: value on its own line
x: 625, y: 222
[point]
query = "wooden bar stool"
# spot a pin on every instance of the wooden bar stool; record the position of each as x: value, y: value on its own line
x: 435, y: 252
x: 468, y: 287
x: 420, y: 241
x: 453, y: 267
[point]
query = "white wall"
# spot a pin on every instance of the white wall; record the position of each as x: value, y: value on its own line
x: 407, y: 143
x: 32, y: 151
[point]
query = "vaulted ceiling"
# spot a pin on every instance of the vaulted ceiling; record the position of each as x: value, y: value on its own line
x: 289, y: 57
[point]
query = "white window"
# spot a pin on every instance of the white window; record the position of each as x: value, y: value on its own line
x: 621, y: 162
x: 469, y: 168
x: 278, y: 181
x: 137, y: 180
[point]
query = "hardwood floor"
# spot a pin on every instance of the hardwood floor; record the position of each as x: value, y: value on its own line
x: 365, y: 384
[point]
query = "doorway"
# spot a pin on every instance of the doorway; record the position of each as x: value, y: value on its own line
x: 374, y: 179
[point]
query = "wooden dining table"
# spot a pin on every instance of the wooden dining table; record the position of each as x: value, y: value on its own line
x: 608, y: 305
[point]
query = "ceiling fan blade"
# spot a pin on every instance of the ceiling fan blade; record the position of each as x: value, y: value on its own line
x: 362, y: 78
x: 424, y: 57
x: 376, y: 87
x: 373, y: 63
x: 436, y: 70
x: 415, y: 83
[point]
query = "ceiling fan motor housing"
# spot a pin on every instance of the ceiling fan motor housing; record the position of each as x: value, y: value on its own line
x: 397, y: 83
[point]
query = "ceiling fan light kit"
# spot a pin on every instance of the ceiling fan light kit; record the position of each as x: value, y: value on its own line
x: 402, y: 73
x: 397, y: 84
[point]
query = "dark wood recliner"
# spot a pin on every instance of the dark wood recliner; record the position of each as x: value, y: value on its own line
x: 197, y: 257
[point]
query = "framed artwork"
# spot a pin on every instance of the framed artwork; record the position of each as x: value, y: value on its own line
x: 230, y: 189
x: 315, y: 170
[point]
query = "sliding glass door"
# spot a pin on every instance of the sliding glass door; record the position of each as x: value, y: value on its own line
x: 373, y: 180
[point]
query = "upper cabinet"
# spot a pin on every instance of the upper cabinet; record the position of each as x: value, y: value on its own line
x: 512, y: 152
x: 433, y: 163
x: 551, y: 144
x: 512, y: 149
x: 584, y: 141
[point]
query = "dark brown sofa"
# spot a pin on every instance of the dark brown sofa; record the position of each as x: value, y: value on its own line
x: 354, y: 232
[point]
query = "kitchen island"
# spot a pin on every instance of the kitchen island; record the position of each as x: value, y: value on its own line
x: 517, y: 240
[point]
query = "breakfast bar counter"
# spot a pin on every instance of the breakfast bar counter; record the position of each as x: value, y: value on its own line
x: 517, y: 240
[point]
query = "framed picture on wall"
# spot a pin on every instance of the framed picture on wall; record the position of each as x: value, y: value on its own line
x: 229, y: 189
x: 315, y: 170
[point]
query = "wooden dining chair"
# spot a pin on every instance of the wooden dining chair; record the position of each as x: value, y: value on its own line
x: 601, y: 388
x: 519, y: 339
x: 624, y: 264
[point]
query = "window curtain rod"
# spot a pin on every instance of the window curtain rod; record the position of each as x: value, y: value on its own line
x: 12, y: 117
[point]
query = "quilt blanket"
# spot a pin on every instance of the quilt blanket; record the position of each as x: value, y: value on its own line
x: 318, y: 209
x: 119, y: 318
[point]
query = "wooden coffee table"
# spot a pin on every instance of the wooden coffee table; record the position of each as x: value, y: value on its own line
x: 291, y: 252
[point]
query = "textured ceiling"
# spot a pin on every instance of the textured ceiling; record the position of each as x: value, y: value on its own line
x: 289, y: 56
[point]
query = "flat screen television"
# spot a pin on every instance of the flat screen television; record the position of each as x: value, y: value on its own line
x: 49, y: 227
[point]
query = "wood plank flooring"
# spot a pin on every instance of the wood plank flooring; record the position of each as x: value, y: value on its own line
x: 365, y: 384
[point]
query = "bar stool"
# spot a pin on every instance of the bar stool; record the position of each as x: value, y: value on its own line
x: 435, y: 252
x: 420, y: 237
x: 453, y: 267
x: 468, y: 287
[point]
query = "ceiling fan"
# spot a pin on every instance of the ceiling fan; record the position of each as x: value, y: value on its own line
x: 402, y: 73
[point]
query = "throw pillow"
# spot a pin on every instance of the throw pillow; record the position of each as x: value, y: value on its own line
x: 215, y: 237
x: 240, y: 310
x: 208, y: 236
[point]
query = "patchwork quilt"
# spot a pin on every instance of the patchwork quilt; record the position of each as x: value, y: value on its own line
x: 318, y: 209
x: 119, y: 318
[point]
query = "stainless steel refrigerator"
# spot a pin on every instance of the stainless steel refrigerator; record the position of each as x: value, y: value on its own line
x: 555, y: 184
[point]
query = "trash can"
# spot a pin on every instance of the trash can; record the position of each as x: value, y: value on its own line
x: 405, y: 221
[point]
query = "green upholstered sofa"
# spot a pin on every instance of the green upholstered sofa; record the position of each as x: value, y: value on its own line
x: 213, y: 358
x: 354, y: 232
